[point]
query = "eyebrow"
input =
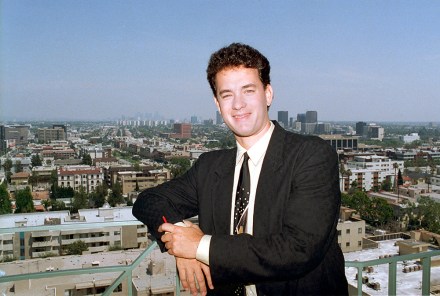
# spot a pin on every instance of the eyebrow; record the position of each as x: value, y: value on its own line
x: 243, y: 87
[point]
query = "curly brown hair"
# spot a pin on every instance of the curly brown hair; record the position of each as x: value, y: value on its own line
x: 236, y: 55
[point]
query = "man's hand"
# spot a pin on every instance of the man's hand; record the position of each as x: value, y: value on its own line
x: 181, y: 241
x: 190, y: 271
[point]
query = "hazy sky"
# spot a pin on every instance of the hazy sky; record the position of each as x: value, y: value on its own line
x: 349, y: 60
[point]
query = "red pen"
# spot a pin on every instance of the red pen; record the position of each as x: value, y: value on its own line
x: 164, y: 219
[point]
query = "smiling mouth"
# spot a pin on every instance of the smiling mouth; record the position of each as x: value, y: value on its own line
x: 241, y: 116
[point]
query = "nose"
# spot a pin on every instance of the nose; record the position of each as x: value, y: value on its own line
x: 239, y: 102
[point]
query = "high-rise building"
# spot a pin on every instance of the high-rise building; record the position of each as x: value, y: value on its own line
x: 47, y: 135
x: 283, y: 118
x: 218, y: 118
x: 311, y: 116
x: 360, y: 128
x: 2, y: 139
x: 182, y: 131
x: 301, y: 117
x: 194, y: 120
x: 13, y: 135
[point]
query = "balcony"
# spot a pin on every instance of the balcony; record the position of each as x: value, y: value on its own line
x: 126, y: 274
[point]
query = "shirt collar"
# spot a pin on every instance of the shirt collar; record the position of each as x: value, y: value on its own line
x: 258, y: 150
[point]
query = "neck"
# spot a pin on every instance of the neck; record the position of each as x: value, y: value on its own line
x: 248, y: 142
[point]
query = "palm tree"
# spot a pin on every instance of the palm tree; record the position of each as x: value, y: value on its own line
x: 395, y: 167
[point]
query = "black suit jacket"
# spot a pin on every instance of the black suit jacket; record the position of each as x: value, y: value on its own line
x: 293, y: 249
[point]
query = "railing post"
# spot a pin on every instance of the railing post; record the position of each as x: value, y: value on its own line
x: 359, y: 285
x: 392, y: 278
x: 426, y: 275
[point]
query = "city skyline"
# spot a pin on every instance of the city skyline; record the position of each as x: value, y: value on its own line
x: 350, y: 61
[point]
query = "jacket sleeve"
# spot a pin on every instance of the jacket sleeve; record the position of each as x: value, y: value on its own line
x: 304, y: 231
x: 175, y: 200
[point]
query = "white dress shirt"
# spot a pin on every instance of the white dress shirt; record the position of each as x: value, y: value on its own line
x: 256, y: 155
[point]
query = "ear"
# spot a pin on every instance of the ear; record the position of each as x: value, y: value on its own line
x: 269, y: 95
x: 217, y: 104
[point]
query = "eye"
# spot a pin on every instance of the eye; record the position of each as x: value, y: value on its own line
x: 226, y: 96
x: 249, y: 91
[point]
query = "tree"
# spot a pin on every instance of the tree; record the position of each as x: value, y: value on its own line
x: 98, y: 196
x: 18, y: 166
x: 76, y: 248
x: 116, y: 195
x: 36, y: 160
x: 386, y: 185
x: 23, y: 201
x: 179, y: 166
x: 87, y: 159
x: 7, y: 166
x: 58, y: 205
x: 429, y: 213
x: 80, y: 200
x: 33, y: 178
x: 5, y: 202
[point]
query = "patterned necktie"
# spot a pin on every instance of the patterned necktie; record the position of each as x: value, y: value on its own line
x: 242, y: 197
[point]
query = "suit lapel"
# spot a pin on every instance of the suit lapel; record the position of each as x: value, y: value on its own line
x: 267, y: 182
x: 221, y: 193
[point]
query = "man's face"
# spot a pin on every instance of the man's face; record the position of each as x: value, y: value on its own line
x: 242, y: 100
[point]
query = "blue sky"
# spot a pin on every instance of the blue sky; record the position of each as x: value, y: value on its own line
x: 91, y: 60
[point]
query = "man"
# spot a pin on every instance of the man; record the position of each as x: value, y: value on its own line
x: 284, y: 239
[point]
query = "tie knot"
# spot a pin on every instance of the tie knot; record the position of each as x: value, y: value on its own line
x: 245, y: 157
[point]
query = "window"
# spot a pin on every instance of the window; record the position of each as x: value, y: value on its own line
x: 347, y: 244
x: 359, y: 244
x: 360, y: 230
x: 339, y: 232
x: 347, y: 231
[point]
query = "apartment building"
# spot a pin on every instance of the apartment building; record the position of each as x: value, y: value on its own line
x: 56, y: 133
x: 143, y: 180
x: 35, y: 244
x: 369, y: 172
x: 80, y: 176
x: 351, y: 230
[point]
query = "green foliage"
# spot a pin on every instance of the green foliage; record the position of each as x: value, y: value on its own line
x: 179, y: 166
x: 8, y: 258
x: 5, y: 202
x: 386, y: 185
x: 48, y: 254
x: 58, y: 205
x: 375, y: 211
x: 429, y: 213
x: 80, y: 200
x: 116, y: 197
x: 97, y: 197
x: 61, y: 192
x: 76, y: 248
x: 87, y: 159
x: 23, y: 201
x: 114, y: 248
x: 7, y: 166
x: 36, y: 160
x: 18, y: 166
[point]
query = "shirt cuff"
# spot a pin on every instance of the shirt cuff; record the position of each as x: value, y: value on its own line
x: 202, y: 253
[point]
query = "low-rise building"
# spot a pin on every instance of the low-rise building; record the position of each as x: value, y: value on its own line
x: 351, y: 230
x: 35, y: 244
x: 80, y: 176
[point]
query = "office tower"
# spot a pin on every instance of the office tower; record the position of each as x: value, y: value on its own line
x: 194, y: 119
x: 311, y: 116
x: 218, y: 118
x: 2, y: 139
x: 62, y: 126
x: 182, y: 130
x: 360, y: 128
x: 283, y: 118
x: 301, y: 117
x: 47, y: 135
